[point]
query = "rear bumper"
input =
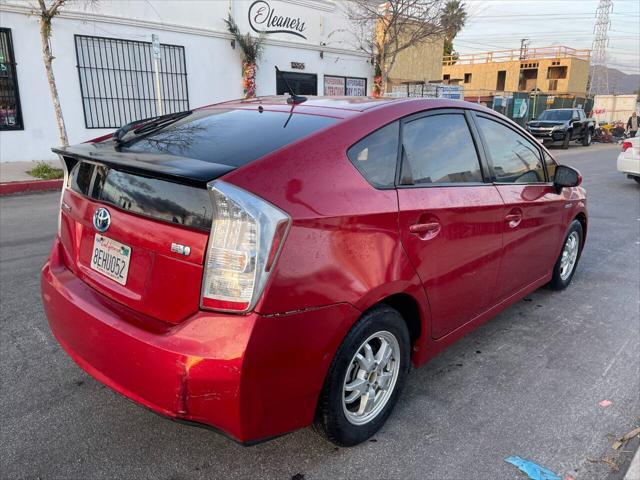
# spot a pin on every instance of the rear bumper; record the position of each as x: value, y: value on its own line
x: 628, y: 164
x: 231, y: 372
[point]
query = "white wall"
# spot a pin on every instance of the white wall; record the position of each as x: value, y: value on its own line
x: 213, y: 67
x: 614, y: 108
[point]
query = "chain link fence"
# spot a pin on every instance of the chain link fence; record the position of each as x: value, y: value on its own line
x: 518, y: 106
x: 522, y: 106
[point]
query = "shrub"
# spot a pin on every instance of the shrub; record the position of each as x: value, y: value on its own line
x: 45, y: 171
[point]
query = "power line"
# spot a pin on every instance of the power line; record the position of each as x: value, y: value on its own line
x: 547, y: 15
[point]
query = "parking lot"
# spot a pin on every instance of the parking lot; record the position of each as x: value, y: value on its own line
x: 528, y: 383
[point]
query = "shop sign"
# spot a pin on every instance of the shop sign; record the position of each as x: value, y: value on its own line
x: 453, y: 92
x: 334, y: 86
x: 356, y: 87
x: 263, y: 18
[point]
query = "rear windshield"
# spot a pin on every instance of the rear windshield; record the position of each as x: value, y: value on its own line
x: 229, y: 137
x: 151, y: 197
x: 556, y: 115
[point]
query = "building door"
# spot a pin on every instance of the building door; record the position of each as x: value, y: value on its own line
x: 302, y: 83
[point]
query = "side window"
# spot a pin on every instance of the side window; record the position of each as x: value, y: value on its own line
x: 515, y: 159
x: 551, y: 166
x: 376, y: 154
x: 439, y: 149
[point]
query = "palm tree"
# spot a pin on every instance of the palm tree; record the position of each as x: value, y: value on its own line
x: 454, y: 16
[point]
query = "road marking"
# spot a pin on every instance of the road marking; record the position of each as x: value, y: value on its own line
x: 615, y: 357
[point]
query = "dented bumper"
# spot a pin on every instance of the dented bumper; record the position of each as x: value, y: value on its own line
x: 190, y: 371
x: 236, y: 373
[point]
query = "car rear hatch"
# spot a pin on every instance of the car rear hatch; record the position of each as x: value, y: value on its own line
x: 158, y: 227
x: 136, y: 214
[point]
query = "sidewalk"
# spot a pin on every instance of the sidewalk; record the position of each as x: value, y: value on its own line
x: 17, y: 171
x: 634, y: 470
x: 15, y: 179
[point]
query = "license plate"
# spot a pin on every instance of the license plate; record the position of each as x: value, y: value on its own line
x: 111, y: 258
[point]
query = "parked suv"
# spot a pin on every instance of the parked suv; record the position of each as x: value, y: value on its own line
x: 561, y: 126
x: 259, y: 265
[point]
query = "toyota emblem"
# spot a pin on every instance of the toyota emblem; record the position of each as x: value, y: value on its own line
x: 101, y: 219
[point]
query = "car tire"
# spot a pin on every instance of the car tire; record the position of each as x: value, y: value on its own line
x: 567, y: 139
x: 586, y: 138
x: 345, y: 415
x: 567, y: 262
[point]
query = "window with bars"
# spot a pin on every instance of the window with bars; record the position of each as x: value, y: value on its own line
x: 118, y: 82
x: 10, y: 112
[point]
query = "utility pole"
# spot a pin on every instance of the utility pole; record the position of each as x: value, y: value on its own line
x: 524, y: 46
x: 599, y: 73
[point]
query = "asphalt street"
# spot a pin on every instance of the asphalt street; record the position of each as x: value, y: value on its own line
x: 528, y: 383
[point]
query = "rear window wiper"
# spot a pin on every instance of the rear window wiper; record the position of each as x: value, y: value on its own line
x: 146, y: 126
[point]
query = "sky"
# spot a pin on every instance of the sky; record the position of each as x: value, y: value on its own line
x: 500, y: 24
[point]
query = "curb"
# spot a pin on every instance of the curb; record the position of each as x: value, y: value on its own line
x: 28, y: 186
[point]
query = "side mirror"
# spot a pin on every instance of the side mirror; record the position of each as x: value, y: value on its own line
x: 566, y: 176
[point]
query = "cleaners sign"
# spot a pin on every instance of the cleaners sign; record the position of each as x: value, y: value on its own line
x: 263, y: 18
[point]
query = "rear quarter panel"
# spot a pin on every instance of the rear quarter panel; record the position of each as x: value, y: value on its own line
x: 343, y: 245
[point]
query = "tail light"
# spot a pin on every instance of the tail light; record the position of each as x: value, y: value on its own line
x: 626, y: 145
x: 247, y: 234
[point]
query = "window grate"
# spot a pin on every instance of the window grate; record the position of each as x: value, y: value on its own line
x: 10, y: 110
x: 118, y: 83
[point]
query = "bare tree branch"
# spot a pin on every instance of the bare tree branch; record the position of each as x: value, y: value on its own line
x: 55, y: 6
x: 385, y: 30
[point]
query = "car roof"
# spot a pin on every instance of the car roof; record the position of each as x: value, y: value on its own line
x: 338, y: 107
x: 356, y: 104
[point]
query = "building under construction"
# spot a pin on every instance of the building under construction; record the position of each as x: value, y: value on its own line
x: 556, y: 70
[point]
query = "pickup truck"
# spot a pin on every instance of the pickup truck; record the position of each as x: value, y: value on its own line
x: 562, y: 125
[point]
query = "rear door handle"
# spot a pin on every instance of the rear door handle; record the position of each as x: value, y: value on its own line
x: 513, y: 219
x: 426, y: 231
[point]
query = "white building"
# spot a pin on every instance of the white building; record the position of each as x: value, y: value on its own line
x: 104, y: 62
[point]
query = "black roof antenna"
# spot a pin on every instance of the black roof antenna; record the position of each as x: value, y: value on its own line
x: 293, y: 98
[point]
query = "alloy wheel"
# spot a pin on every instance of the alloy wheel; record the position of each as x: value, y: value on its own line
x: 371, y: 378
x: 569, y: 255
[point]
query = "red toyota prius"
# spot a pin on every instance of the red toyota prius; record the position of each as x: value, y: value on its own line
x: 258, y: 266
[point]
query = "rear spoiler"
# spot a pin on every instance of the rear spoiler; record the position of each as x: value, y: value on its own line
x: 187, y: 171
